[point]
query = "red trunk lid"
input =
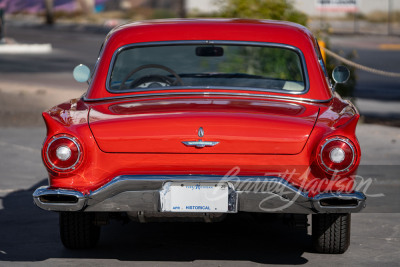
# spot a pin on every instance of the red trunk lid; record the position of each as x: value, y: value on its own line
x: 240, y: 126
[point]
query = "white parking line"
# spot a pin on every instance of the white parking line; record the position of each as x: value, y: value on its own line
x: 25, y: 48
x: 8, y: 190
x: 26, y: 148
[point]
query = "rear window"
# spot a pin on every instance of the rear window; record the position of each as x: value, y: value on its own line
x: 207, y: 66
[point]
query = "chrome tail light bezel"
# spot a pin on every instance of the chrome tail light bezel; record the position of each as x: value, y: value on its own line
x: 325, y: 166
x: 49, y: 163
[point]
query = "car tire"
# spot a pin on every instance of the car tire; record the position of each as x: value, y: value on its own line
x: 78, y: 231
x: 331, y: 232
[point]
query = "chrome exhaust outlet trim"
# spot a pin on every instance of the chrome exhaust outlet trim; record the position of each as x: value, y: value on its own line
x: 59, y: 199
x: 339, y: 202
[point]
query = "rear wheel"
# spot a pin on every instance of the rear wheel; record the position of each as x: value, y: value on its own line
x: 78, y: 230
x: 331, y: 232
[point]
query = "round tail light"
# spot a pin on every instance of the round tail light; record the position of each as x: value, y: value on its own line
x: 62, y: 153
x: 337, y: 155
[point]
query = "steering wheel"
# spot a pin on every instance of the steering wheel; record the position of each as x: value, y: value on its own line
x: 152, y: 78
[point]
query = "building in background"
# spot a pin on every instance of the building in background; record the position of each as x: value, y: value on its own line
x: 313, y: 7
x: 37, y: 6
x: 310, y: 7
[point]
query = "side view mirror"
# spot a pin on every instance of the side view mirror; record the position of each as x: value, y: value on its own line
x: 340, y: 75
x: 81, y: 73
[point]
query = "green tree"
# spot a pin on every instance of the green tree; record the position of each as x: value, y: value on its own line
x: 261, y: 9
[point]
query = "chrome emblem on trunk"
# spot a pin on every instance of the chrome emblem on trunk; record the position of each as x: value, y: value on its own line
x: 200, y: 132
x: 200, y: 143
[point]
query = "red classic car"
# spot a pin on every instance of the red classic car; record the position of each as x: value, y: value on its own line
x: 201, y: 118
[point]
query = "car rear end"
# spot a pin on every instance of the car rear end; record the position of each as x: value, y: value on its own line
x: 196, y: 130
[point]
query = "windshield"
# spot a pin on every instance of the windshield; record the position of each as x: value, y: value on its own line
x: 200, y: 66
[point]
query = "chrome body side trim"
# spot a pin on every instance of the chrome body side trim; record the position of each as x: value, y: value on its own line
x: 254, y: 194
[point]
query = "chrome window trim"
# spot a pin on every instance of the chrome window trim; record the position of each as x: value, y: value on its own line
x: 202, y: 42
x: 208, y: 94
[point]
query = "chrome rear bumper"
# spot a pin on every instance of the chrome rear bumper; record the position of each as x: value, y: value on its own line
x: 142, y: 193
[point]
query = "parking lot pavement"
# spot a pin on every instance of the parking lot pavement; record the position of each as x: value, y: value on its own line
x: 29, y: 235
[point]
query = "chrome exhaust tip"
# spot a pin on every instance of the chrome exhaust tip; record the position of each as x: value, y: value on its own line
x: 339, y: 202
x: 59, y: 199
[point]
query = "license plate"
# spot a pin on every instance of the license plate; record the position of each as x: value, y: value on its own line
x: 194, y: 197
